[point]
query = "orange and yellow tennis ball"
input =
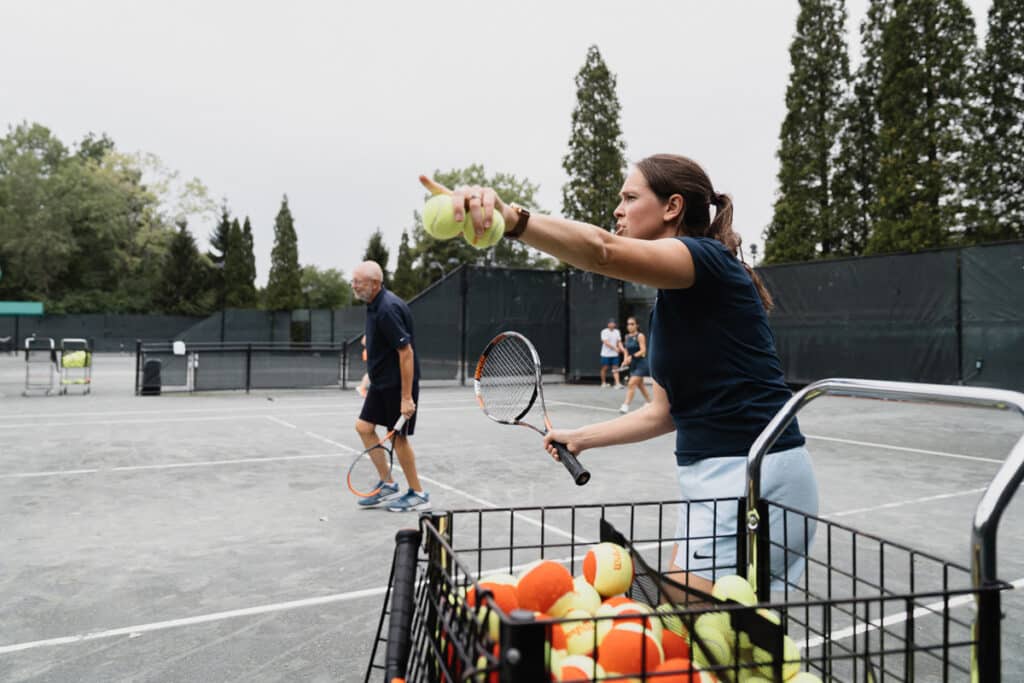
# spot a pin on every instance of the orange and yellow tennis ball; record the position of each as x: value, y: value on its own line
x: 583, y: 596
x: 608, y: 617
x: 629, y: 649
x: 578, y: 632
x: 608, y: 568
x: 675, y: 640
x: 541, y: 585
x: 676, y: 670
x: 580, y: 668
x: 505, y: 595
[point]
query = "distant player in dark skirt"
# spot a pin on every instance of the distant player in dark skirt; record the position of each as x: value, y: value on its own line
x: 635, y: 344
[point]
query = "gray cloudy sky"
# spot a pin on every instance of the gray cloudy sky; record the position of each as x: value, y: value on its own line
x: 341, y: 104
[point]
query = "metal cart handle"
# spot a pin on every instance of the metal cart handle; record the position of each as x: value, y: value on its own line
x: 986, y: 516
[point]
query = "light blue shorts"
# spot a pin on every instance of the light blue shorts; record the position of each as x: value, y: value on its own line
x: 707, y: 530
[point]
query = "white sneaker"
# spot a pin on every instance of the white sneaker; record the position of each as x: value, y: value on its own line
x: 624, y: 408
x: 604, y: 385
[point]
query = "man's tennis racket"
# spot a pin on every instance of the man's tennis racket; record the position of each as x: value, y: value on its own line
x: 373, y: 466
x: 507, y: 383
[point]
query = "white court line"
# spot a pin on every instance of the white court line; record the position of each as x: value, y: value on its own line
x: 279, y: 421
x: 204, y: 418
x: 189, y: 621
x: 581, y: 405
x: 168, y: 466
x: 903, y: 448
x: 277, y: 408
x: 923, y: 611
x: 904, y: 503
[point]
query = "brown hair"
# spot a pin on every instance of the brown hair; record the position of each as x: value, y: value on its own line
x: 669, y: 174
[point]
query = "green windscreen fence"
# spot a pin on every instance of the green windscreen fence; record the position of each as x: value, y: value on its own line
x: 531, y: 302
x: 992, y: 300
x: 886, y: 317
x: 593, y: 300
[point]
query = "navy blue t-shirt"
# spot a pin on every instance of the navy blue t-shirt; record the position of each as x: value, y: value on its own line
x: 712, y: 350
x: 388, y: 328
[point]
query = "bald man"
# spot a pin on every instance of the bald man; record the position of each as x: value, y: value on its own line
x: 394, y: 385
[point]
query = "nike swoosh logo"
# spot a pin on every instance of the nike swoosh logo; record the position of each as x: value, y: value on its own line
x: 698, y: 556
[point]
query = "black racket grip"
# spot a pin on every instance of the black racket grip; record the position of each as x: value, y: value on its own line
x: 579, y: 473
x: 403, y: 590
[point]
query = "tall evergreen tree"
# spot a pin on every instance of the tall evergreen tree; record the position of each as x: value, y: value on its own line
x: 250, y: 264
x: 219, y: 237
x: 928, y: 51
x: 596, y: 159
x: 804, y: 223
x: 236, y: 288
x: 406, y: 281
x: 377, y: 251
x: 996, y: 169
x: 182, y: 289
x: 284, y: 286
x: 854, y: 187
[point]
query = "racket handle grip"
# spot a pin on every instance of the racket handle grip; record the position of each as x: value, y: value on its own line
x: 579, y: 473
x: 399, y: 423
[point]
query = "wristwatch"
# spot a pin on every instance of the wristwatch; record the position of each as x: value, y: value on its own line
x: 524, y: 217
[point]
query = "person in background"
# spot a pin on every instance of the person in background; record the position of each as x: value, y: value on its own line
x: 611, y: 346
x: 635, y: 347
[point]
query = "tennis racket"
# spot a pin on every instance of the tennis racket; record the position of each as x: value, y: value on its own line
x: 373, y: 466
x: 507, y: 384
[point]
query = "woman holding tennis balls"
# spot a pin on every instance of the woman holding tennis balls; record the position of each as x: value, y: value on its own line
x: 718, y: 379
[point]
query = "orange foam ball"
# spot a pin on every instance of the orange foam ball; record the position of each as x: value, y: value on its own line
x: 677, y: 670
x: 505, y: 594
x: 675, y: 645
x: 542, y: 584
x: 629, y: 649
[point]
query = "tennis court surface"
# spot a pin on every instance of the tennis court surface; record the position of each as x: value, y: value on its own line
x: 210, y: 537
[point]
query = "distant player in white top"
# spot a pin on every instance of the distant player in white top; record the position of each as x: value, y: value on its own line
x: 611, y: 347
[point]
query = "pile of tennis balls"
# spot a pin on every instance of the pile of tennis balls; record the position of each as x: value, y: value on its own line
x: 596, y: 632
x: 439, y: 222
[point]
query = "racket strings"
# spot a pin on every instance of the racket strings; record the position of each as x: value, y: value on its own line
x: 363, y: 475
x: 508, y: 379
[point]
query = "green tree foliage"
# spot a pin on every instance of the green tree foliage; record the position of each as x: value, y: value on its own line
x: 804, y: 224
x: 250, y: 261
x: 928, y: 51
x: 219, y: 237
x: 284, y: 286
x: 183, y: 289
x: 596, y: 159
x: 327, y: 288
x: 854, y: 190
x: 377, y: 251
x: 78, y: 231
x: 406, y: 281
x: 238, y: 289
x: 996, y: 169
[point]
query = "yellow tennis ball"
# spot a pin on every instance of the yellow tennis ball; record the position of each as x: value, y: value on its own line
x: 790, y: 659
x: 734, y: 587
x: 714, y: 638
x: 489, y: 238
x: 439, y: 218
x: 768, y: 614
x: 609, y: 568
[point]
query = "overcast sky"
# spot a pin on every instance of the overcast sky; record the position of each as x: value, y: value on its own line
x: 342, y: 104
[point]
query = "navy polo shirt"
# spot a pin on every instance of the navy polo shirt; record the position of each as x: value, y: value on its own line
x: 713, y: 351
x: 388, y: 328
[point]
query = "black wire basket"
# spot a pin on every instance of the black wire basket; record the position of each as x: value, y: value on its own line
x: 860, y: 608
